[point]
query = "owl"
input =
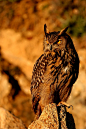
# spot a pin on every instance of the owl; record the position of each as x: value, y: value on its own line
x: 55, y: 71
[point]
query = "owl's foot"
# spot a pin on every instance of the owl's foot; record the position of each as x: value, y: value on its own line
x: 64, y: 104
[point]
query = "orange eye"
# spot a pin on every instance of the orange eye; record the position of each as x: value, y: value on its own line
x: 59, y: 41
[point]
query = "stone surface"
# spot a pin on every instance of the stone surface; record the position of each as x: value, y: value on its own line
x: 54, y: 117
x: 9, y: 121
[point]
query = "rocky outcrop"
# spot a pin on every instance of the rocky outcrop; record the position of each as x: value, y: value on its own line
x: 54, y: 117
x: 9, y: 121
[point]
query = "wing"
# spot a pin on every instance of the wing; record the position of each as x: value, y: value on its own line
x: 64, y: 76
x: 37, y: 78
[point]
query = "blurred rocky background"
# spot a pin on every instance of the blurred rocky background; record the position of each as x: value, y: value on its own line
x: 21, y: 43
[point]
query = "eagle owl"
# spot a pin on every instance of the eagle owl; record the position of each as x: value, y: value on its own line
x: 55, y: 71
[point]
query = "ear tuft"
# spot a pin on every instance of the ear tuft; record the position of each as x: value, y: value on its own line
x: 45, y: 28
x: 46, y: 31
x: 63, y: 31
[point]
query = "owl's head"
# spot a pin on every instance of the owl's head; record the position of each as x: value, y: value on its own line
x: 54, y: 41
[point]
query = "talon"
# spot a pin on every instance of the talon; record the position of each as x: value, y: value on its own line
x: 65, y: 104
x: 70, y: 106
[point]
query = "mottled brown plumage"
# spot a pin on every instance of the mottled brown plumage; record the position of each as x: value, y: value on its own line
x: 55, y: 72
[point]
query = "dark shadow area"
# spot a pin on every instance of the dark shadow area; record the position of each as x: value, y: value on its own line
x: 58, y: 110
x: 65, y: 118
x: 15, y: 86
x: 10, y: 70
x: 70, y: 121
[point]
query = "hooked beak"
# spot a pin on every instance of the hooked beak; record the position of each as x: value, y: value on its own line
x: 50, y: 47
